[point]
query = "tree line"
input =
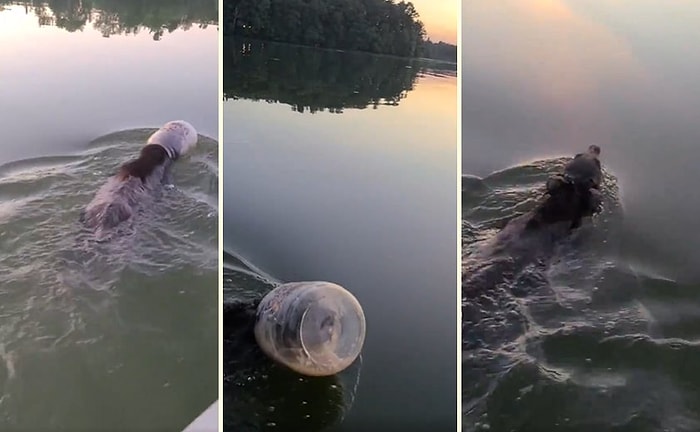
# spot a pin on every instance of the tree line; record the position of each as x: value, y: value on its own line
x: 441, y: 51
x: 113, y: 17
x: 375, y: 26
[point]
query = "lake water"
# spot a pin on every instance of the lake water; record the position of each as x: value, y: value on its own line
x: 341, y: 167
x: 605, y: 337
x: 121, y: 335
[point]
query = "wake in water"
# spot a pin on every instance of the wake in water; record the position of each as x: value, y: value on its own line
x: 529, y: 340
x: 258, y: 393
x: 66, y: 300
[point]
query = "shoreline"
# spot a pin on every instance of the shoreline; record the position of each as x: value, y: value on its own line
x: 339, y: 50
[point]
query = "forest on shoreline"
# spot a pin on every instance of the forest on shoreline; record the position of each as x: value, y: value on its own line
x: 113, y: 17
x: 374, y: 26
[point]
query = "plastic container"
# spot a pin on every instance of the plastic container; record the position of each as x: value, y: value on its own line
x: 176, y: 137
x: 314, y: 328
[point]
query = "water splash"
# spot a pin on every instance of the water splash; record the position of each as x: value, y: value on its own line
x: 69, y: 303
x: 581, y: 289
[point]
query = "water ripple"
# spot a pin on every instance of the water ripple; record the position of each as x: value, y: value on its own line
x: 82, y: 315
x: 579, y: 340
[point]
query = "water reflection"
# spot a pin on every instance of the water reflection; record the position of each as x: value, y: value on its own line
x: 312, y: 80
x: 366, y: 200
x: 64, y: 88
x: 119, y: 17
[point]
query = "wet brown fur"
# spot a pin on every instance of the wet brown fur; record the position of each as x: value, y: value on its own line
x: 564, y: 206
x: 152, y: 155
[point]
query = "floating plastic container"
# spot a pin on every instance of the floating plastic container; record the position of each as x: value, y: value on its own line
x: 314, y: 328
x: 176, y: 137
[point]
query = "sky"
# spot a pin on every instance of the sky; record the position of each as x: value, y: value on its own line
x: 440, y: 18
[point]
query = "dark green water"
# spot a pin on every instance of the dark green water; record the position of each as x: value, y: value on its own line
x: 341, y: 167
x: 601, y: 335
x: 123, y: 335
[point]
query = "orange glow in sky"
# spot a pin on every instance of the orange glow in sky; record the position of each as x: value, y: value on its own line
x: 440, y: 18
x: 567, y: 57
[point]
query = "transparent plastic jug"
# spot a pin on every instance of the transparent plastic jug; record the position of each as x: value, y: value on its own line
x: 314, y: 328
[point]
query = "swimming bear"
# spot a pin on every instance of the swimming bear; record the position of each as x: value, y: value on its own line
x: 582, y: 175
x: 531, y: 237
x: 116, y: 201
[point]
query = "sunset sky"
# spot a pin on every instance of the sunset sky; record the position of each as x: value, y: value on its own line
x: 440, y: 18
